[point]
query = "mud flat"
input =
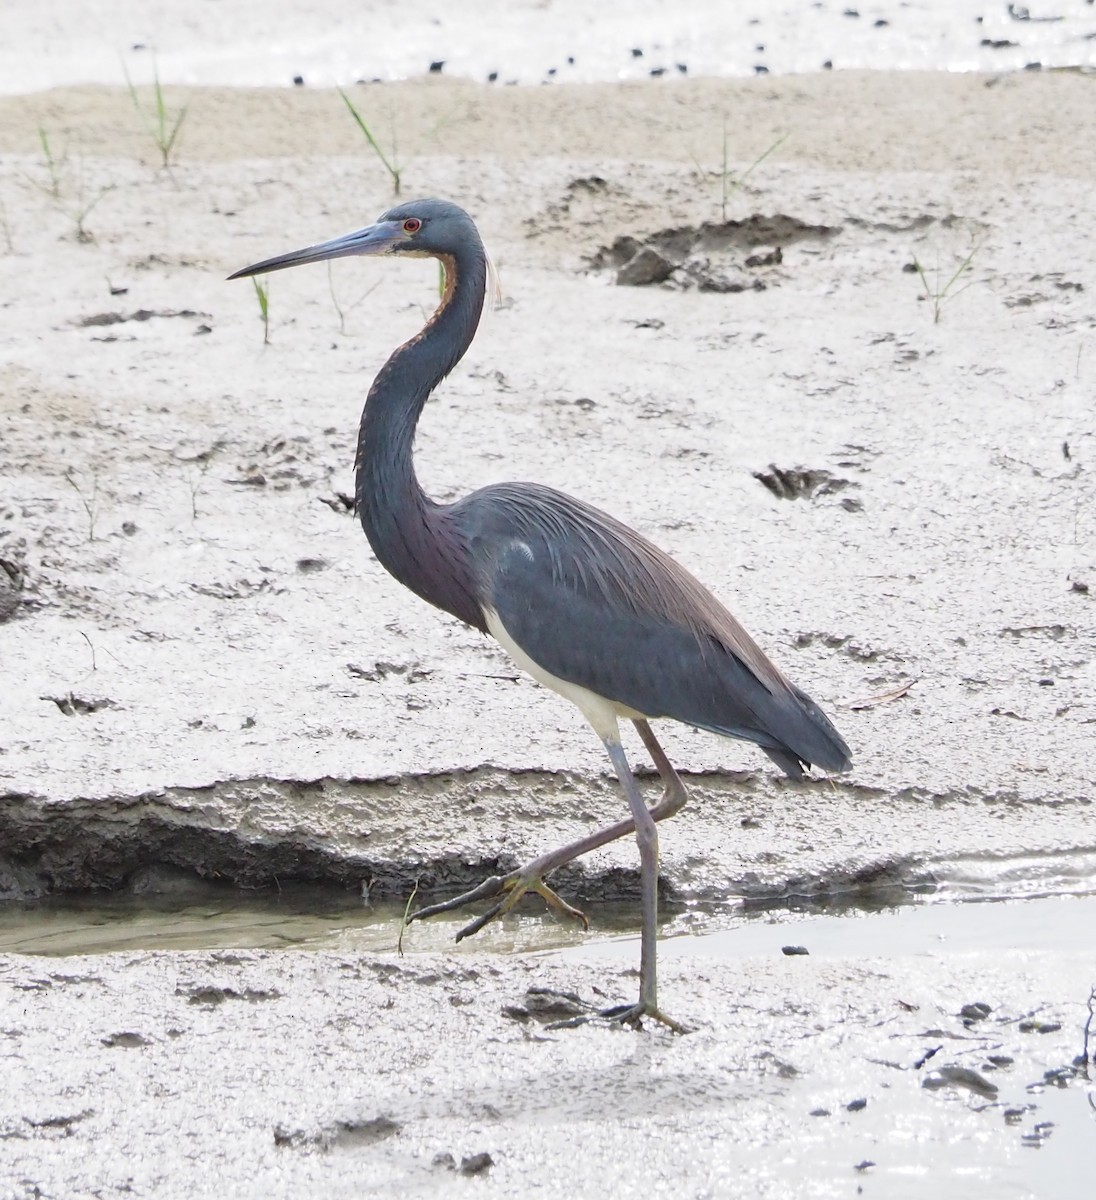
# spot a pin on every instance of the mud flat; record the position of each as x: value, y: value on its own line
x: 204, y: 671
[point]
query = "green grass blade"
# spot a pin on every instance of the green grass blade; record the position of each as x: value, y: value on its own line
x: 392, y: 170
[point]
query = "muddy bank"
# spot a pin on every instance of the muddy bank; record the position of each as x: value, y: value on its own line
x: 750, y: 836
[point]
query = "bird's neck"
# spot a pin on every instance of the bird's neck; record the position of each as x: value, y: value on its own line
x: 414, y: 538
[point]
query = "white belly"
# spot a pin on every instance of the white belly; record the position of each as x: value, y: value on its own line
x: 601, y: 713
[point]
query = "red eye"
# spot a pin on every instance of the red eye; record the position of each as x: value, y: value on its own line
x: 412, y: 225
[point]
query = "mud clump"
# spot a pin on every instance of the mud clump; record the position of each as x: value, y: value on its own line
x: 726, y: 256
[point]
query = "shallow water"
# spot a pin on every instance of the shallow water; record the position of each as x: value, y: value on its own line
x: 317, y: 919
x: 1050, y: 1147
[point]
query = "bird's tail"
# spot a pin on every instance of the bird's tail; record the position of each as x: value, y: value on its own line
x: 808, y: 739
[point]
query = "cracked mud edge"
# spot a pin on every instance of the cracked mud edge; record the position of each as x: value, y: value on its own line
x: 348, y: 833
x: 216, y: 833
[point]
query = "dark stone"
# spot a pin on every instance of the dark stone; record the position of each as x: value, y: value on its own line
x: 645, y: 267
x: 476, y: 1164
x: 963, y: 1077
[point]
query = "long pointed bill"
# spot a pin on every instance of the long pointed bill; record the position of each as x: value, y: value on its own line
x: 374, y: 239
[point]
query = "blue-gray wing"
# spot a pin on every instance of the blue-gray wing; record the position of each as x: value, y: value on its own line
x: 595, y: 604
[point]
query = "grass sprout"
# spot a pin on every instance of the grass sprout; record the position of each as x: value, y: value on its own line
x: 65, y: 188
x: 55, y: 166
x: 90, y: 503
x: 80, y: 211
x: 262, y: 294
x: 162, y: 125
x: 941, y: 290
x: 728, y: 183
x: 391, y: 165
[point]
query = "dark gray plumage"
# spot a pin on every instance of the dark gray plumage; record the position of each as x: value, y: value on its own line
x: 581, y: 601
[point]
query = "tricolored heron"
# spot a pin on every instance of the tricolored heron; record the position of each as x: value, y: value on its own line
x: 583, y: 603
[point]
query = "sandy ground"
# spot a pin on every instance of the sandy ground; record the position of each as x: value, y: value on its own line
x: 203, y: 666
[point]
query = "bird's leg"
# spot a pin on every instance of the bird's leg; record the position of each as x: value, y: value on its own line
x: 673, y: 800
x: 647, y: 840
x: 530, y: 878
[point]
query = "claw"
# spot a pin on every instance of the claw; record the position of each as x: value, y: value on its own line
x: 512, y: 888
x: 556, y: 901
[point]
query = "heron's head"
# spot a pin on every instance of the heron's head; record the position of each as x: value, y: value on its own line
x: 430, y: 228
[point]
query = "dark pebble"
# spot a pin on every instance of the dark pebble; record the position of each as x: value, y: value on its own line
x: 857, y: 1105
x: 476, y: 1164
x: 298, y: 81
x: 436, y: 67
x: 493, y: 77
x: 636, y: 52
x: 792, y: 951
x: 760, y: 70
x: 1039, y: 1026
x: 964, y: 1077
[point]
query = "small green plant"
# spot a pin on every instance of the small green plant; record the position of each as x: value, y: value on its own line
x: 941, y: 292
x: 162, y: 124
x: 728, y: 183
x: 91, y: 505
x: 80, y: 211
x: 262, y: 294
x: 65, y: 188
x: 391, y: 165
x: 55, y: 166
x: 196, y: 479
